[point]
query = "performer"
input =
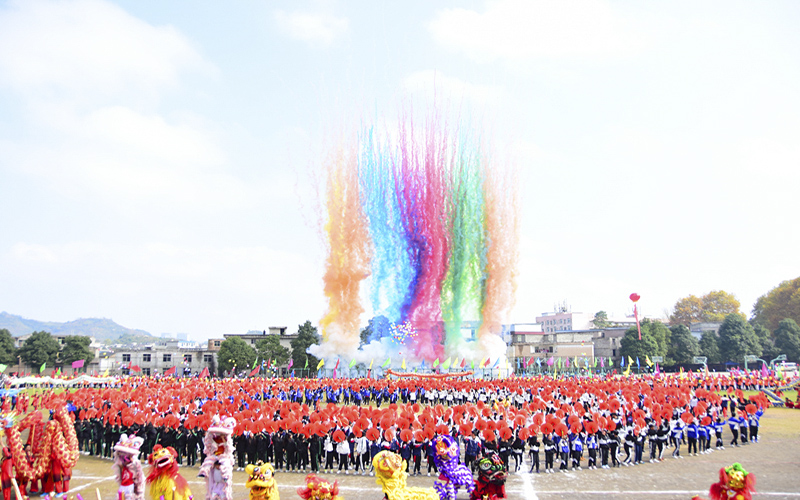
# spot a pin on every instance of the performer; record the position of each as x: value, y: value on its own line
x: 5, y: 473
x: 261, y: 482
x: 127, y: 468
x: 391, y: 475
x: 164, y: 480
x: 454, y: 474
x: 217, y: 468
x: 319, y: 489
x: 492, y: 475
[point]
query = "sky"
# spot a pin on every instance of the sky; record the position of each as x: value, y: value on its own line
x: 159, y: 161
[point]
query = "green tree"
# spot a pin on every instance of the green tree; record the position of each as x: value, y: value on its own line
x: 39, y: 348
x: 780, y: 303
x: 306, y: 337
x: 8, y: 353
x: 787, y: 339
x: 600, y: 320
x: 709, y: 346
x: 75, y: 348
x: 655, y: 341
x: 737, y: 339
x: 765, y: 340
x: 683, y: 345
x: 270, y: 348
x: 235, y: 352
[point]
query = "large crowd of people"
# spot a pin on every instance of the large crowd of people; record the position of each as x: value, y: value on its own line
x: 537, y: 424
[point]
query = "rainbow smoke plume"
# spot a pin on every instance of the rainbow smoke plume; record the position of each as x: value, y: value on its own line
x: 421, y: 216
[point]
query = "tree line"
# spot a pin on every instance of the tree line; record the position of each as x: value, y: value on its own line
x: 42, y: 348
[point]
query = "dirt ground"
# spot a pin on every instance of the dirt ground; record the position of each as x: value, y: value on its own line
x: 775, y: 461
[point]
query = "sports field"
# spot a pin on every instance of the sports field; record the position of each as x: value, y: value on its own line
x: 775, y: 461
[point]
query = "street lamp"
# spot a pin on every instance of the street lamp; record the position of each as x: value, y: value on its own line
x: 782, y: 357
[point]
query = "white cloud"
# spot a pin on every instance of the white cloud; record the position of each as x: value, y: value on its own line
x: 312, y: 28
x: 90, y: 77
x: 88, y: 48
x: 521, y: 29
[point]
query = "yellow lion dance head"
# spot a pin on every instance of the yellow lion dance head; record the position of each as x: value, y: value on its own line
x: 261, y: 481
x: 390, y: 474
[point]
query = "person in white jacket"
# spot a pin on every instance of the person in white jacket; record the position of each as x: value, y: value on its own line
x: 362, y: 454
x: 343, y: 449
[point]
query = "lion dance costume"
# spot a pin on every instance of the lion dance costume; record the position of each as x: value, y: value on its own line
x: 452, y: 472
x: 492, y: 477
x: 128, y: 469
x: 261, y: 482
x: 390, y: 474
x: 317, y: 488
x: 217, y: 468
x: 164, y: 479
x: 734, y: 484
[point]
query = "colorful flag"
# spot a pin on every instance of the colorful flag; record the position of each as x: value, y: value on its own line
x: 135, y: 368
x: 610, y: 362
x: 403, y: 364
x: 58, y: 372
x: 387, y: 362
x: 255, y: 362
x: 550, y: 361
x: 436, y: 362
x: 496, y: 363
x: 630, y: 360
x: 77, y: 364
x: 446, y: 364
x: 204, y: 373
x: 306, y: 367
x: 105, y: 373
x: 171, y: 372
x: 320, y: 364
x: 370, y: 363
x: 482, y: 363
x: 253, y: 372
x: 352, y: 362
x: 637, y: 362
x: 647, y: 360
x: 337, y: 365
x: 473, y: 364
x: 463, y: 363
x: 566, y: 362
x: 622, y: 361
x: 41, y: 368
x: 291, y: 364
x: 657, y: 369
x: 539, y: 362
x: 3, y: 367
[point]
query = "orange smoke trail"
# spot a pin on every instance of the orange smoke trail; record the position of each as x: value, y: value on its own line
x: 348, y: 262
x: 502, y: 256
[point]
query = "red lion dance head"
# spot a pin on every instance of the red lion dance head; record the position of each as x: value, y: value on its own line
x: 319, y: 489
x: 734, y: 484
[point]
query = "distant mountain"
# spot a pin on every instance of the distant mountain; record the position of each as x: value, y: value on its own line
x: 102, y: 329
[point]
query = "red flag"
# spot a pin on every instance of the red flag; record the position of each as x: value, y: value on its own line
x: 337, y: 365
x: 463, y: 362
x: 255, y: 371
x: 171, y: 372
x: 204, y: 373
x: 135, y: 368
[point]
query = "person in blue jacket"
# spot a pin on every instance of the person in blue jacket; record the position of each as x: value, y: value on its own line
x: 733, y: 423
x: 691, y: 438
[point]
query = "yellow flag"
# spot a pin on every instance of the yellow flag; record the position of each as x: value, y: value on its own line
x: 483, y: 362
x: 105, y: 373
x: 647, y: 360
x: 370, y: 363
x: 320, y: 364
x: 630, y: 361
x: 403, y: 364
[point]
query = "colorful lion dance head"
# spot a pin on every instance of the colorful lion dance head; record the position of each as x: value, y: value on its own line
x: 261, y: 481
x: 317, y: 488
x: 446, y: 448
x: 491, y: 469
x: 734, y: 484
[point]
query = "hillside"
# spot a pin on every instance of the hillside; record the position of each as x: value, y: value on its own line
x: 102, y: 329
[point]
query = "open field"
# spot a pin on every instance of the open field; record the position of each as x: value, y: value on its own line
x: 775, y: 461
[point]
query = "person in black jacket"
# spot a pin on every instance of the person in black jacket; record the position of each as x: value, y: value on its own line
x: 181, y: 442
x: 252, y: 448
x: 279, y: 442
x: 191, y: 448
x: 240, y: 443
x: 291, y: 452
x: 315, y: 451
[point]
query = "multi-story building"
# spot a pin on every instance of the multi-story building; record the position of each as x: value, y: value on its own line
x: 564, y: 321
x: 164, y: 354
x: 252, y: 337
